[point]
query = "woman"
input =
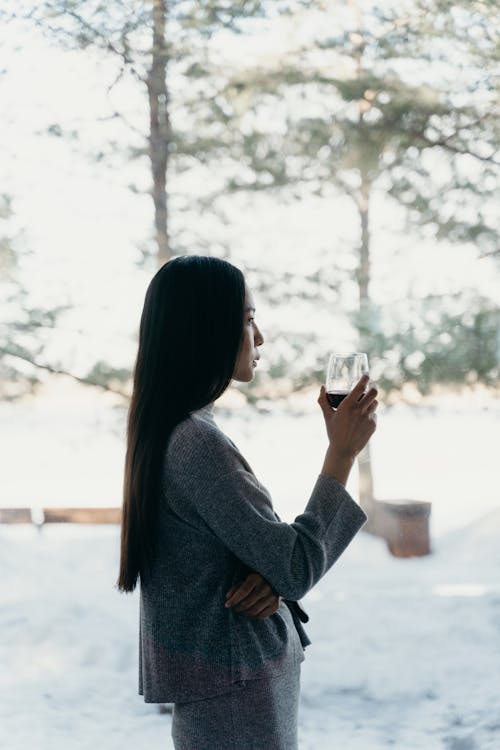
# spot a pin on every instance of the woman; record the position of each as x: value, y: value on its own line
x: 221, y: 631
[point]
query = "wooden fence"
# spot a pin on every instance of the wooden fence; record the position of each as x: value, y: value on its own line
x: 404, y: 525
x: 41, y: 516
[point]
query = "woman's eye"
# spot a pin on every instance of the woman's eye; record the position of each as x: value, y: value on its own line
x: 251, y: 320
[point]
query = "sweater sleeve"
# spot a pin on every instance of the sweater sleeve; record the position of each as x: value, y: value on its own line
x: 239, y: 512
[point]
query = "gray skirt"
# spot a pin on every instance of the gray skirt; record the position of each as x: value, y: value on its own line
x: 255, y: 714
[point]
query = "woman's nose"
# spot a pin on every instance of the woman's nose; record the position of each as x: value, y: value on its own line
x: 258, y: 337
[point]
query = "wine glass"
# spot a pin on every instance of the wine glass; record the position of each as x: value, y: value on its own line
x: 343, y: 372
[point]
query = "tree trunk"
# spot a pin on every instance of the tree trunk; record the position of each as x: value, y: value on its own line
x: 366, y: 496
x: 159, y: 127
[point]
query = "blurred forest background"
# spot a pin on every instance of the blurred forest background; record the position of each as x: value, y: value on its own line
x: 344, y: 154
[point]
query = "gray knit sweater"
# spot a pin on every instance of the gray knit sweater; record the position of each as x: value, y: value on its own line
x: 217, y: 524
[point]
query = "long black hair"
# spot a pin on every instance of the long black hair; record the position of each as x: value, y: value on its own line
x: 189, y: 338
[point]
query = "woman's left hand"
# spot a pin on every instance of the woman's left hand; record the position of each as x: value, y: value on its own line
x: 254, y: 597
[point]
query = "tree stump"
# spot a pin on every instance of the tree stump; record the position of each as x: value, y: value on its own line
x: 404, y: 524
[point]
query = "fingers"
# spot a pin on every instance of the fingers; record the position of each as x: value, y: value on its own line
x: 270, y: 610
x: 254, y: 601
x: 247, y: 594
x: 231, y: 591
x: 254, y: 597
x: 371, y: 408
x: 368, y: 401
x: 238, y: 593
x: 365, y: 401
x: 323, y: 401
x: 268, y: 604
x: 358, y: 390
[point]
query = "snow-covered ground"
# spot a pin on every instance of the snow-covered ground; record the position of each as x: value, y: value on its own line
x: 405, y: 653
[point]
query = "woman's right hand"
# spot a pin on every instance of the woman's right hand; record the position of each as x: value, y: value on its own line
x: 351, y: 425
x: 254, y: 597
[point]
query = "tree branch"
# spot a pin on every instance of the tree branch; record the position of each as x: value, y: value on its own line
x: 57, y: 371
x: 443, y: 142
x: 98, y: 37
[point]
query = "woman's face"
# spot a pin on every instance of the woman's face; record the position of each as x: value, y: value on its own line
x: 252, y: 338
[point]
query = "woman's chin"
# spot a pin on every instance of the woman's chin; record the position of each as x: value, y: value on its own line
x: 244, y: 377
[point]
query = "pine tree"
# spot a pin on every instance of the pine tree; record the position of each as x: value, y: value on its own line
x: 159, y: 44
x: 26, y: 327
x: 377, y: 105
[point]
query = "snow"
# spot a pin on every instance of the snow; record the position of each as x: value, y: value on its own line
x: 405, y: 653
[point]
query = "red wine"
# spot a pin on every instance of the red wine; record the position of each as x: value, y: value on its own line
x: 335, y: 398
